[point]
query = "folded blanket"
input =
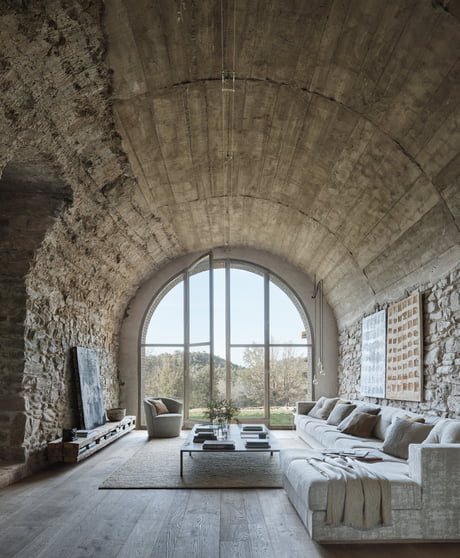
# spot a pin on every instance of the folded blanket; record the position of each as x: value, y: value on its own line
x: 356, y: 496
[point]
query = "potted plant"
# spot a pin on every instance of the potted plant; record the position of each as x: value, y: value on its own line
x: 221, y: 412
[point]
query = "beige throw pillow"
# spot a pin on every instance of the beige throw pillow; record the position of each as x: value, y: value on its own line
x: 316, y: 408
x: 159, y: 406
x: 402, y: 433
x: 361, y: 425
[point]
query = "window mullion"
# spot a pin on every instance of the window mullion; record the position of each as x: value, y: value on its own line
x: 267, y: 345
x: 186, y: 344
x: 227, y: 332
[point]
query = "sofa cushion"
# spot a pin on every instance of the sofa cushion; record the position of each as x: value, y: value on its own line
x: 370, y: 409
x: 402, y: 433
x: 316, y: 408
x: 307, y: 481
x: 361, y: 424
x: 451, y: 433
x: 445, y: 431
x: 339, y: 412
x: 323, y: 407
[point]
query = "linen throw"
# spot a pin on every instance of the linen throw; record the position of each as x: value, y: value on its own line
x: 356, y: 496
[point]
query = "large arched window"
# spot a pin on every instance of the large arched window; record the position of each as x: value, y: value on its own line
x: 228, y: 329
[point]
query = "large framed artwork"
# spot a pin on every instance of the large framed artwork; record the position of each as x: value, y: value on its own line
x: 373, y: 351
x: 89, y: 391
x: 404, y: 350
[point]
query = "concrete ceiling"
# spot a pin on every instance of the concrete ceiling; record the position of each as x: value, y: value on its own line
x: 338, y: 149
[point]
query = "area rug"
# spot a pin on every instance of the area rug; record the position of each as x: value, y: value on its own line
x: 157, y: 465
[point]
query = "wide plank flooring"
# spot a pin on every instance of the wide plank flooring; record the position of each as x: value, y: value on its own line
x: 60, y: 513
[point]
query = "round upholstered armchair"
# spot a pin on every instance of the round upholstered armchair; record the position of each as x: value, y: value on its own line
x: 164, y: 417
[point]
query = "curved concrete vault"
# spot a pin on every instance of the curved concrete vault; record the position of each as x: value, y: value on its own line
x: 343, y: 124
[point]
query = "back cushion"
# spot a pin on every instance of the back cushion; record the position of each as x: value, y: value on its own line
x: 445, y: 431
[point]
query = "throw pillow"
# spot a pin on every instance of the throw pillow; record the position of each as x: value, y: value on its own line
x: 402, y: 433
x: 159, y: 406
x: 361, y: 425
x: 328, y: 405
x: 434, y: 437
x: 316, y: 408
x: 369, y: 409
x: 412, y: 418
x: 339, y: 412
x: 451, y: 432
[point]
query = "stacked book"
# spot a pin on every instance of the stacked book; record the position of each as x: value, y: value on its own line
x: 253, y: 428
x: 218, y: 445
x: 253, y: 444
x: 200, y: 437
x: 204, y: 428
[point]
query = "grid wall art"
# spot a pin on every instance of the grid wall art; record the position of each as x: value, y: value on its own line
x: 404, y: 376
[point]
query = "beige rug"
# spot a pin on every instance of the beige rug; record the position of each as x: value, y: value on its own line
x: 157, y: 465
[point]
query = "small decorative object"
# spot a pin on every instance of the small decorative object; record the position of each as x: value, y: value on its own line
x: 69, y: 434
x: 116, y: 414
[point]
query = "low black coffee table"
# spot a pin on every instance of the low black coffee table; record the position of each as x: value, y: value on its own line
x: 235, y: 434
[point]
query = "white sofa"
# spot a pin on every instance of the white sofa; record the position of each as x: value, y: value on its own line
x: 425, y: 487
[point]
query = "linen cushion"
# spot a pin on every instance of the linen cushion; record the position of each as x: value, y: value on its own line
x: 451, y: 433
x: 339, y: 412
x: 360, y: 424
x: 316, y: 408
x: 323, y: 407
x: 402, y: 433
x: 369, y: 409
x: 159, y: 406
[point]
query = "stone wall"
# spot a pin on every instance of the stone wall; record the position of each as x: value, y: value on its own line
x: 441, y: 348
x: 68, y: 289
x: 12, y: 313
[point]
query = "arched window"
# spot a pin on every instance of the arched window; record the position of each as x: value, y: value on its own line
x: 228, y: 329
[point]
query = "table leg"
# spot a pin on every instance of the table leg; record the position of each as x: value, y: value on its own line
x: 181, y: 463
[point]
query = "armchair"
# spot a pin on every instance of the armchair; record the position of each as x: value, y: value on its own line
x: 165, y: 425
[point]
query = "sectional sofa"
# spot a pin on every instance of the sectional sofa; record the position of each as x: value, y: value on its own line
x: 418, y: 456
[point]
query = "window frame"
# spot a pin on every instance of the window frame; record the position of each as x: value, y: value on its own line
x: 228, y: 264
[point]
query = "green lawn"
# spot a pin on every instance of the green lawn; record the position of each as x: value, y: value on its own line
x: 280, y: 416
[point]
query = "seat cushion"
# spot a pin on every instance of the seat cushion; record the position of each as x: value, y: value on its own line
x: 306, y: 480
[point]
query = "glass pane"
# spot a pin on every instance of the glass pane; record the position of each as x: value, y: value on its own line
x: 219, y: 313
x: 200, y: 386
x: 163, y: 373
x: 247, y: 385
x: 288, y: 382
x: 199, y: 307
x: 220, y: 378
x: 286, y: 325
x: 247, y: 307
x: 167, y: 322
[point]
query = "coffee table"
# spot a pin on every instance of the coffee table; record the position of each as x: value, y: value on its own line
x: 234, y: 434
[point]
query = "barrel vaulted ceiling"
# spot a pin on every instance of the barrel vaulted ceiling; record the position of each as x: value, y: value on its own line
x: 336, y: 146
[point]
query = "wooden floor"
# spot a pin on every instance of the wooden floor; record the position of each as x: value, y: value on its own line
x: 60, y: 513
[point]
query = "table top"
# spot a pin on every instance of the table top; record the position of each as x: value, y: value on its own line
x: 234, y: 434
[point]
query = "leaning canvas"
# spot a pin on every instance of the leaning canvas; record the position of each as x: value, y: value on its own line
x: 89, y: 391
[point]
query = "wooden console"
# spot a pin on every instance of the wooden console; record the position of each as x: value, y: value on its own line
x: 77, y: 450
